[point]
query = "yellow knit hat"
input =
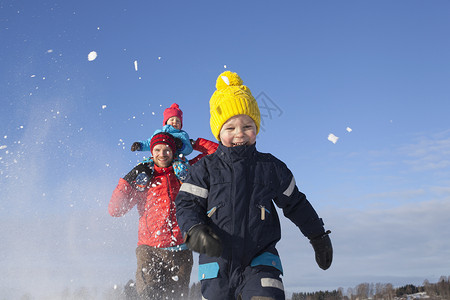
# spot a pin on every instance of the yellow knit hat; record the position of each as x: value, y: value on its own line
x: 230, y: 99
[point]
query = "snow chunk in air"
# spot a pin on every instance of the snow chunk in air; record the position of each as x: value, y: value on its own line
x: 92, y: 55
x: 349, y: 129
x: 332, y: 138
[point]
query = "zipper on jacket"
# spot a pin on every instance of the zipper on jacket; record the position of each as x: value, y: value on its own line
x: 170, y: 204
x: 211, y: 212
x: 263, y: 210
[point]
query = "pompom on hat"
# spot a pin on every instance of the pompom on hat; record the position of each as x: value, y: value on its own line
x: 231, y: 98
x: 173, y: 111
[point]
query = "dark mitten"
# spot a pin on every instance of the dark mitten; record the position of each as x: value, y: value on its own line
x: 136, y: 146
x: 140, y: 168
x: 178, y: 143
x: 323, y: 249
x: 192, y: 142
x: 202, y: 239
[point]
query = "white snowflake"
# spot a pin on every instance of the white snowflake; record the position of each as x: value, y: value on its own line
x: 332, y: 138
x: 92, y: 55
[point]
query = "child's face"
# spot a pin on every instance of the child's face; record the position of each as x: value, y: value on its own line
x: 175, y: 122
x: 237, y: 131
x: 162, y: 155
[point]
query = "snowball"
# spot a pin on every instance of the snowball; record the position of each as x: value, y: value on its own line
x: 103, y: 106
x: 332, y: 138
x: 349, y: 129
x: 224, y: 66
x: 175, y: 278
x: 92, y: 55
x: 135, y: 65
x: 3, y: 147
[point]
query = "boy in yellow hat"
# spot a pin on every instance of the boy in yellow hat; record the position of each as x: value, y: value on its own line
x: 226, y: 206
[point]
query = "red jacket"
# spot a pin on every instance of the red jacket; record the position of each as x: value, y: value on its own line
x: 158, y: 226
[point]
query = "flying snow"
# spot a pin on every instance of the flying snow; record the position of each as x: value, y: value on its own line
x: 135, y: 65
x: 349, y: 129
x: 3, y: 147
x: 103, y: 106
x: 332, y: 138
x: 92, y: 55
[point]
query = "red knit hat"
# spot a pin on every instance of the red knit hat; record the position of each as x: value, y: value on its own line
x: 163, y: 138
x: 173, y: 111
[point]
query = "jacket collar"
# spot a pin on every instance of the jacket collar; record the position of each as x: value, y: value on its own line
x: 236, y: 153
x: 159, y: 170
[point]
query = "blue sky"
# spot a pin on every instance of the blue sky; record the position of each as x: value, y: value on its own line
x: 381, y: 68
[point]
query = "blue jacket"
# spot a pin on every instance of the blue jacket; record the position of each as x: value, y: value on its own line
x: 234, y: 191
x: 186, y: 149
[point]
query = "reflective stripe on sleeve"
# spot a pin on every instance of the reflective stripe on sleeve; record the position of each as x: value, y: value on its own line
x: 194, y: 190
x: 290, y: 189
x: 272, y: 282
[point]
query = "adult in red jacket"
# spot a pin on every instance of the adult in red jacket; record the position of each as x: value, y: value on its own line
x: 164, y: 263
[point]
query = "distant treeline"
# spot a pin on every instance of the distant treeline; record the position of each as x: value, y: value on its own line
x: 383, y: 291
x: 377, y: 291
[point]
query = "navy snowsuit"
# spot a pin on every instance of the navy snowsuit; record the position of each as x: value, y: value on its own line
x: 234, y: 191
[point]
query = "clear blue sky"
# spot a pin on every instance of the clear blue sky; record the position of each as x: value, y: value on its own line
x: 381, y: 68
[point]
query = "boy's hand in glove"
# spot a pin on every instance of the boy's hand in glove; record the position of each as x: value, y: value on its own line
x: 136, y: 146
x: 323, y: 249
x: 140, y: 168
x: 200, y: 238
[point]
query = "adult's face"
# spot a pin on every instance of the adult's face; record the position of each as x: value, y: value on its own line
x: 162, y: 155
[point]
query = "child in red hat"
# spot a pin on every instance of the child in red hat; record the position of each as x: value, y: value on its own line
x: 172, y: 124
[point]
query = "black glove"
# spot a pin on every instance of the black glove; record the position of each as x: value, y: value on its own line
x: 193, y: 142
x: 202, y: 239
x: 136, y: 146
x: 178, y: 143
x: 140, y: 168
x: 323, y: 249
